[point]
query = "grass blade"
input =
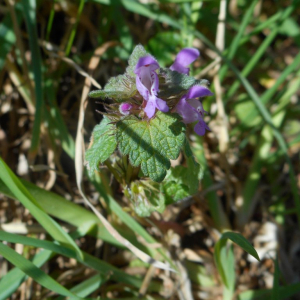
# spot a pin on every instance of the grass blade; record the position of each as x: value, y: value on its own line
x: 71, y: 213
x: 73, y: 32
x: 13, y: 279
x: 100, y: 266
x: 7, y: 36
x: 29, y: 10
x: 33, y: 271
x: 241, y: 241
x: 23, y: 195
x: 87, y: 287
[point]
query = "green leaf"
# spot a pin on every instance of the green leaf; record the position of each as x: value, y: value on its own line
x: 248, y: 114
x: 7, y: 34
x: 193, y: 173
x: 12, y: 280
x: 29, y: 10
x: 123, y: 86
x: 118, y: 88
x: 31, y: 270
x: 151, y: 143
x: 138, y: 52
x: 70, y: 212
x: 181, y: 181
x: 29, y: 201
x: 88, y: 286
x: 242, y: 242
x: 175, y: 191
x: 285, y: 292
x: 225, y: 263
x: 224, y: 259
x: 103, y: 144
x: 174, y: 83
x: 88, y: 260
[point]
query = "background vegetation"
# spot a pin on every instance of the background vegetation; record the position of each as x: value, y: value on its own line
x: 53, y: 246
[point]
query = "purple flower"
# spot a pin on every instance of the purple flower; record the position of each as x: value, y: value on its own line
x: 192, y: 110
x: 147, y: 84
x: 184, y: 58
x: 125, y: 108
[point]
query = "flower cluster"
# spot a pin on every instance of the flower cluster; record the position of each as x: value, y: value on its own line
x: 147, y: 83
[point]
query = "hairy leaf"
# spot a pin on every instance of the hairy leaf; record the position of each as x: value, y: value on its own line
x: 122, y: 87
x: 103, y: 144
x: 175, y: 191
x: 151, y: 143
x: 138, y: 52
x: 118, y: 88
x: 181, y: 181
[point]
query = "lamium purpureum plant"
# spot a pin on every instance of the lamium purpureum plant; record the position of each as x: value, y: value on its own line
x: 146, y: 122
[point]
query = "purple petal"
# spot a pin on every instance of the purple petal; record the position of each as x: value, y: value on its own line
x: 200, y: 127
x: 146, y: 61
x: 184, y: 58
x: 150, y: 109
x: 197, y: 91
x: 146, y: 79
x: 141, y: 88
x: 155, y: 84
x: 180, y: 68
x: 162, y: 105
x: 187, y: 55
x: 197, y: 105
x: 187, y: 112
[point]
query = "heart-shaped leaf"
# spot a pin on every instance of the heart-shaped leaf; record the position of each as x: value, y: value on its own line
x: 103, y: 144
x: 151, y: 143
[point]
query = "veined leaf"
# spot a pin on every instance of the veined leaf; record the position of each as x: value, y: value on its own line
x: 151, y: 144
x: 181, y: 181
x: 123, y: 86
x: 103, y: 144
x: 118, y: 88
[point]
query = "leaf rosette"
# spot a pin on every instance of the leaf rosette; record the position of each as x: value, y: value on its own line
x: 146, y: 120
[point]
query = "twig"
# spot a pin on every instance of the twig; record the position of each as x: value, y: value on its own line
x: 212, y: 65
x: 146, y: 281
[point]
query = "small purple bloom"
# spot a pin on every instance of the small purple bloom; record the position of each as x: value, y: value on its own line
x: 147, y: 84
x: 184, y: 58
x: 125, y: 108
x: 192, y: 110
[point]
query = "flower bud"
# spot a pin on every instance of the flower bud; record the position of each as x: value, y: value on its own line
x: 125, y: 108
